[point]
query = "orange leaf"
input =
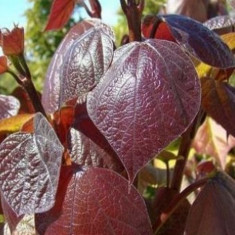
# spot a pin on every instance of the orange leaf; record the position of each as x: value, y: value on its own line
x: 13, y: 124
x: 13, y: 41
x: 3, y: 64
x: 60, y: 13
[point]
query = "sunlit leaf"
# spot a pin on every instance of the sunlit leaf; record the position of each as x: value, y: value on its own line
x: 60, y: 13
x: 9, y: 106
x: 51, y: 90
x: 213, y: 212
x: 161, y: 30
x: 147, y: 98
x: 229, y: 39
x: 221, y: 24
x: 201, y: 42
x: 218, y: 100
x: 86, y: 60
x: 3, y: 64
x: 97, y: 201
x: 14, y: 124
x: 205, y: 70
x: 29, y: 168
x: 212, y: 139
x: 13, y: 41
x: 87, y: 145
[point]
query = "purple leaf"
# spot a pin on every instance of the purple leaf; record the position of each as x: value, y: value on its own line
x: 52, y: 87
x: 213, y: 212
x: 51, y: 90
x: 9, y: 106
x: 10, y: 216
x: 87, y: 145
x: 29, y: 168
x: 97, y: 201
x: 86, y: 60
x: 221, y: 24
x: 147, y: 98
x: 218, y: 100
x: 200, y: 41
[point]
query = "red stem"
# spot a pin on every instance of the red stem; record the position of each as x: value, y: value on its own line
x: 176, y: 201
x: 133, y: 10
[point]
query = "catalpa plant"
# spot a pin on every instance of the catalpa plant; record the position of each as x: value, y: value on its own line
x: 117, y: 130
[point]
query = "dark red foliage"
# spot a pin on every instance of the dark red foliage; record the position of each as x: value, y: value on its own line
x: 51, y: 96
x: 141, y: 109
x: 218, y: 100
x: 30, y: 168
x: 200, y: 41
x: 97, y: 201
x: 213, y: 212
x: 110, y: 112
x: 87, y: 145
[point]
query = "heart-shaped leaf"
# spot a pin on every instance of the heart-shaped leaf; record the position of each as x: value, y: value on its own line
x: 221, y: 24
x: 147, y: 98
x: 86, y: 61
x: 201, y: 42
x: 212, y: 139
x: 218, y: 100
x: 52, y: 86
x: 9, y: 106
x: 213, y: 212
x: 29, y: 168
x: 87, y: 145
x: 60, y: 13
x: 97, y: 201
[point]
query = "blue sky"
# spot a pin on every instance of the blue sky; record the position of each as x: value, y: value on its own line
x: 12, y: 11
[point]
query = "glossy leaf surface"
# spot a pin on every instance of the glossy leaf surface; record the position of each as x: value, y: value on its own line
x: 205, y: 70
x: 52, y: 86
x: 200, y: 41
x: 218, y: 100
x: 221, y: 24
x: 212, y: 139
x: 86, y: 61
x: 147, y: 98
x: 87, y: 145
x: 60, y: 13
x: 29, y: 168
x: 97, y: 202
x: 9, y: 106
x: 213, y: 212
